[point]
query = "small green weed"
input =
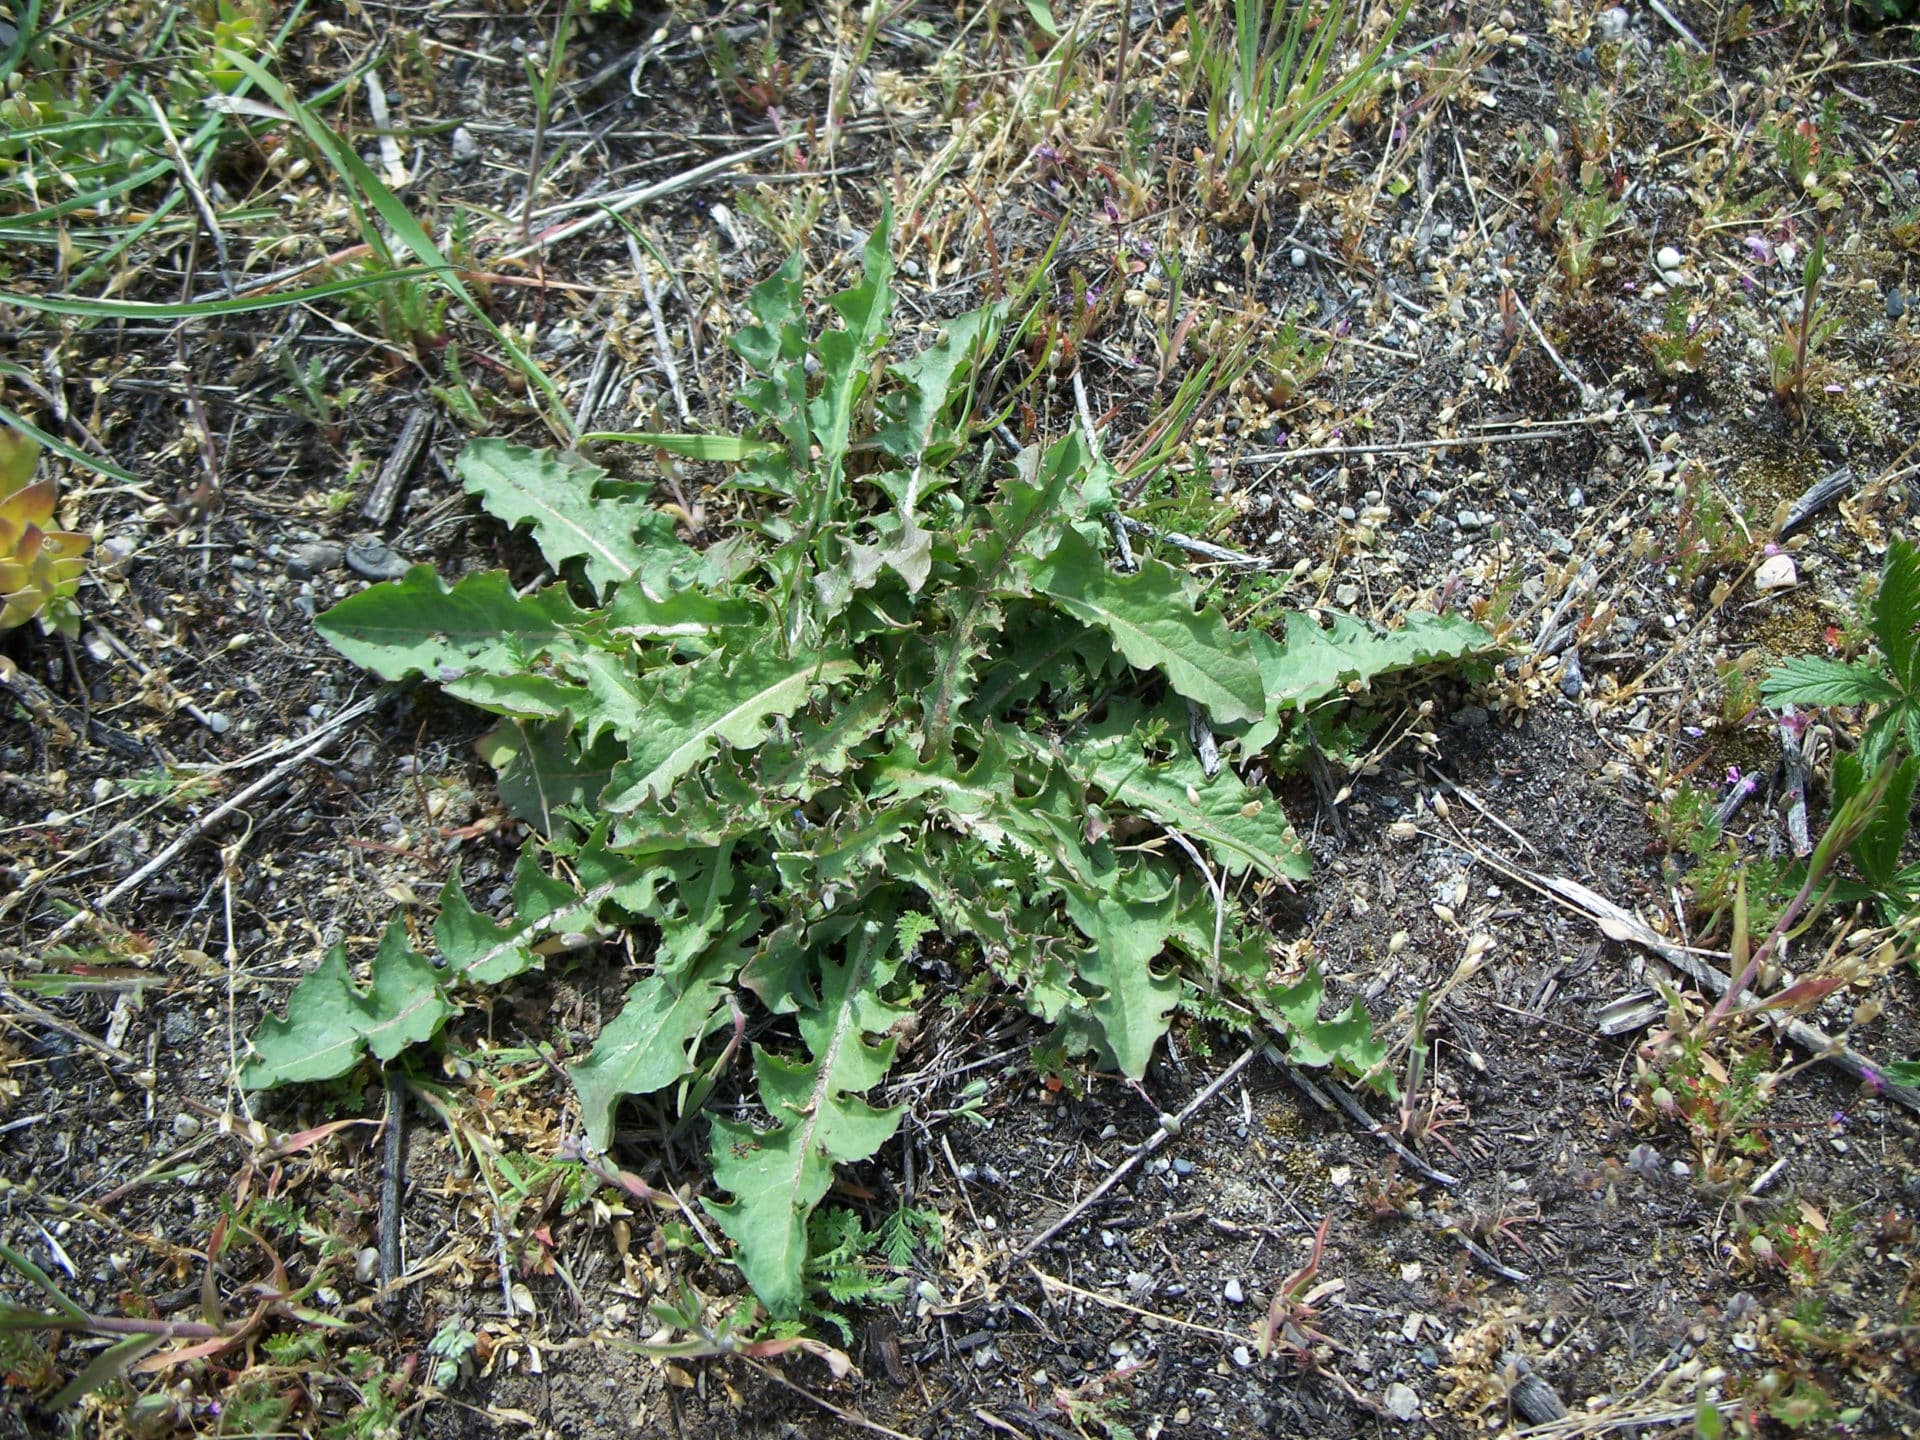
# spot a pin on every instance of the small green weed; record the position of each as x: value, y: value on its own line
x: 1885, y: 684
x: 902, y: 701
x: 1267, y: 71
x: 1794, y: 367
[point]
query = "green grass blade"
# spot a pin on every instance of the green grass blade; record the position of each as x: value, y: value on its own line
x: 72, y: 453
x: 206, y: 309
x: 32, y: 1272
x: 361, y: 181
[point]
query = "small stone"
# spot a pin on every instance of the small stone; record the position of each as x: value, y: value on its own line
x: 1613, y: 24
x: 1576, y: 498
x: 1232, y: 1293
x: 1470, y: 519
x: 1183, y: 1166
x: 1347, y: 595
x: 314, y: 557
x: 1402, y: 1403
x: 1776, y: 572
x: 1572, y: 679
x: 116, y: 554
x: 1896, y: 303
x: 465, y: 147
x: 1243, y: 1357
x: 372, y: 557
x: 1298, y: 258
x: 366, y: 1265
x: 186, y: 1126
x: 1669, y: 258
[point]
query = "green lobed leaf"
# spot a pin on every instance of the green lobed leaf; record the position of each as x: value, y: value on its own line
x: 542, y: 769
x: 1877, y: 851
x: 554, y: 493
x: 778, y: 1176
x: 481, y: 949
x: 1128, y: 918
x: 930, y: 378
x: 1152, y: 622
x: 647, y: 1046
x: 846, y: 355
x: 1026, y: 518
x: 1818, y: 680
x: 691, y: 619
x: 711, y: 705
x: 1318, y: 661
x: 330, y: 1022
x: 1243, y: 828
x: 417, y: 625
x: 1347, y: 1042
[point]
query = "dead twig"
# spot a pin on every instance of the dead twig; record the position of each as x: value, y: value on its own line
x: 318, y: 739
x: 47, y: 1018
x: 1335, y: 1094
x: 1168, y: 1126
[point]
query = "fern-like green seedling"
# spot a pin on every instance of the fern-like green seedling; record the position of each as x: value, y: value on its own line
x: 1888, y: 680
x: 1886, y: 683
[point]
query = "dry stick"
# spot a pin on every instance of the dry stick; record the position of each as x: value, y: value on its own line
x: 849, y: 1417
x: 1140, y: 1152
x: 1673, y: 22
x: 662, y: 345
x: 1820, y: 495
x: 1619, y: 924
x: 53, y: 1022
x: 393, y: 1160
x: 1200, y: 549
x: 384, y: 498
x: 191, y: 183
x: 605, y: 209
x: 1403, y: 447
x: 1339, y: 1096
x: 319, y: 739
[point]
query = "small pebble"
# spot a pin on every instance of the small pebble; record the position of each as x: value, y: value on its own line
x: 1232, y: 1293
x: 315, y: 557
x: 116, y: 552
x: 1572, y: 679
x: 373, y: 558
x: 1613, y: 24
x: 1669, y: 258
x: 366, y: 1265
x: 465, y: 147
x: 1896, y: 303
x: 1243, y: 1357
x: 1402, y: 1403
x: 1183, y: 1167
x: 186, y: 1126
x: 1576, y: 498
x: 1470, y: 519
x: 1298, y: 258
